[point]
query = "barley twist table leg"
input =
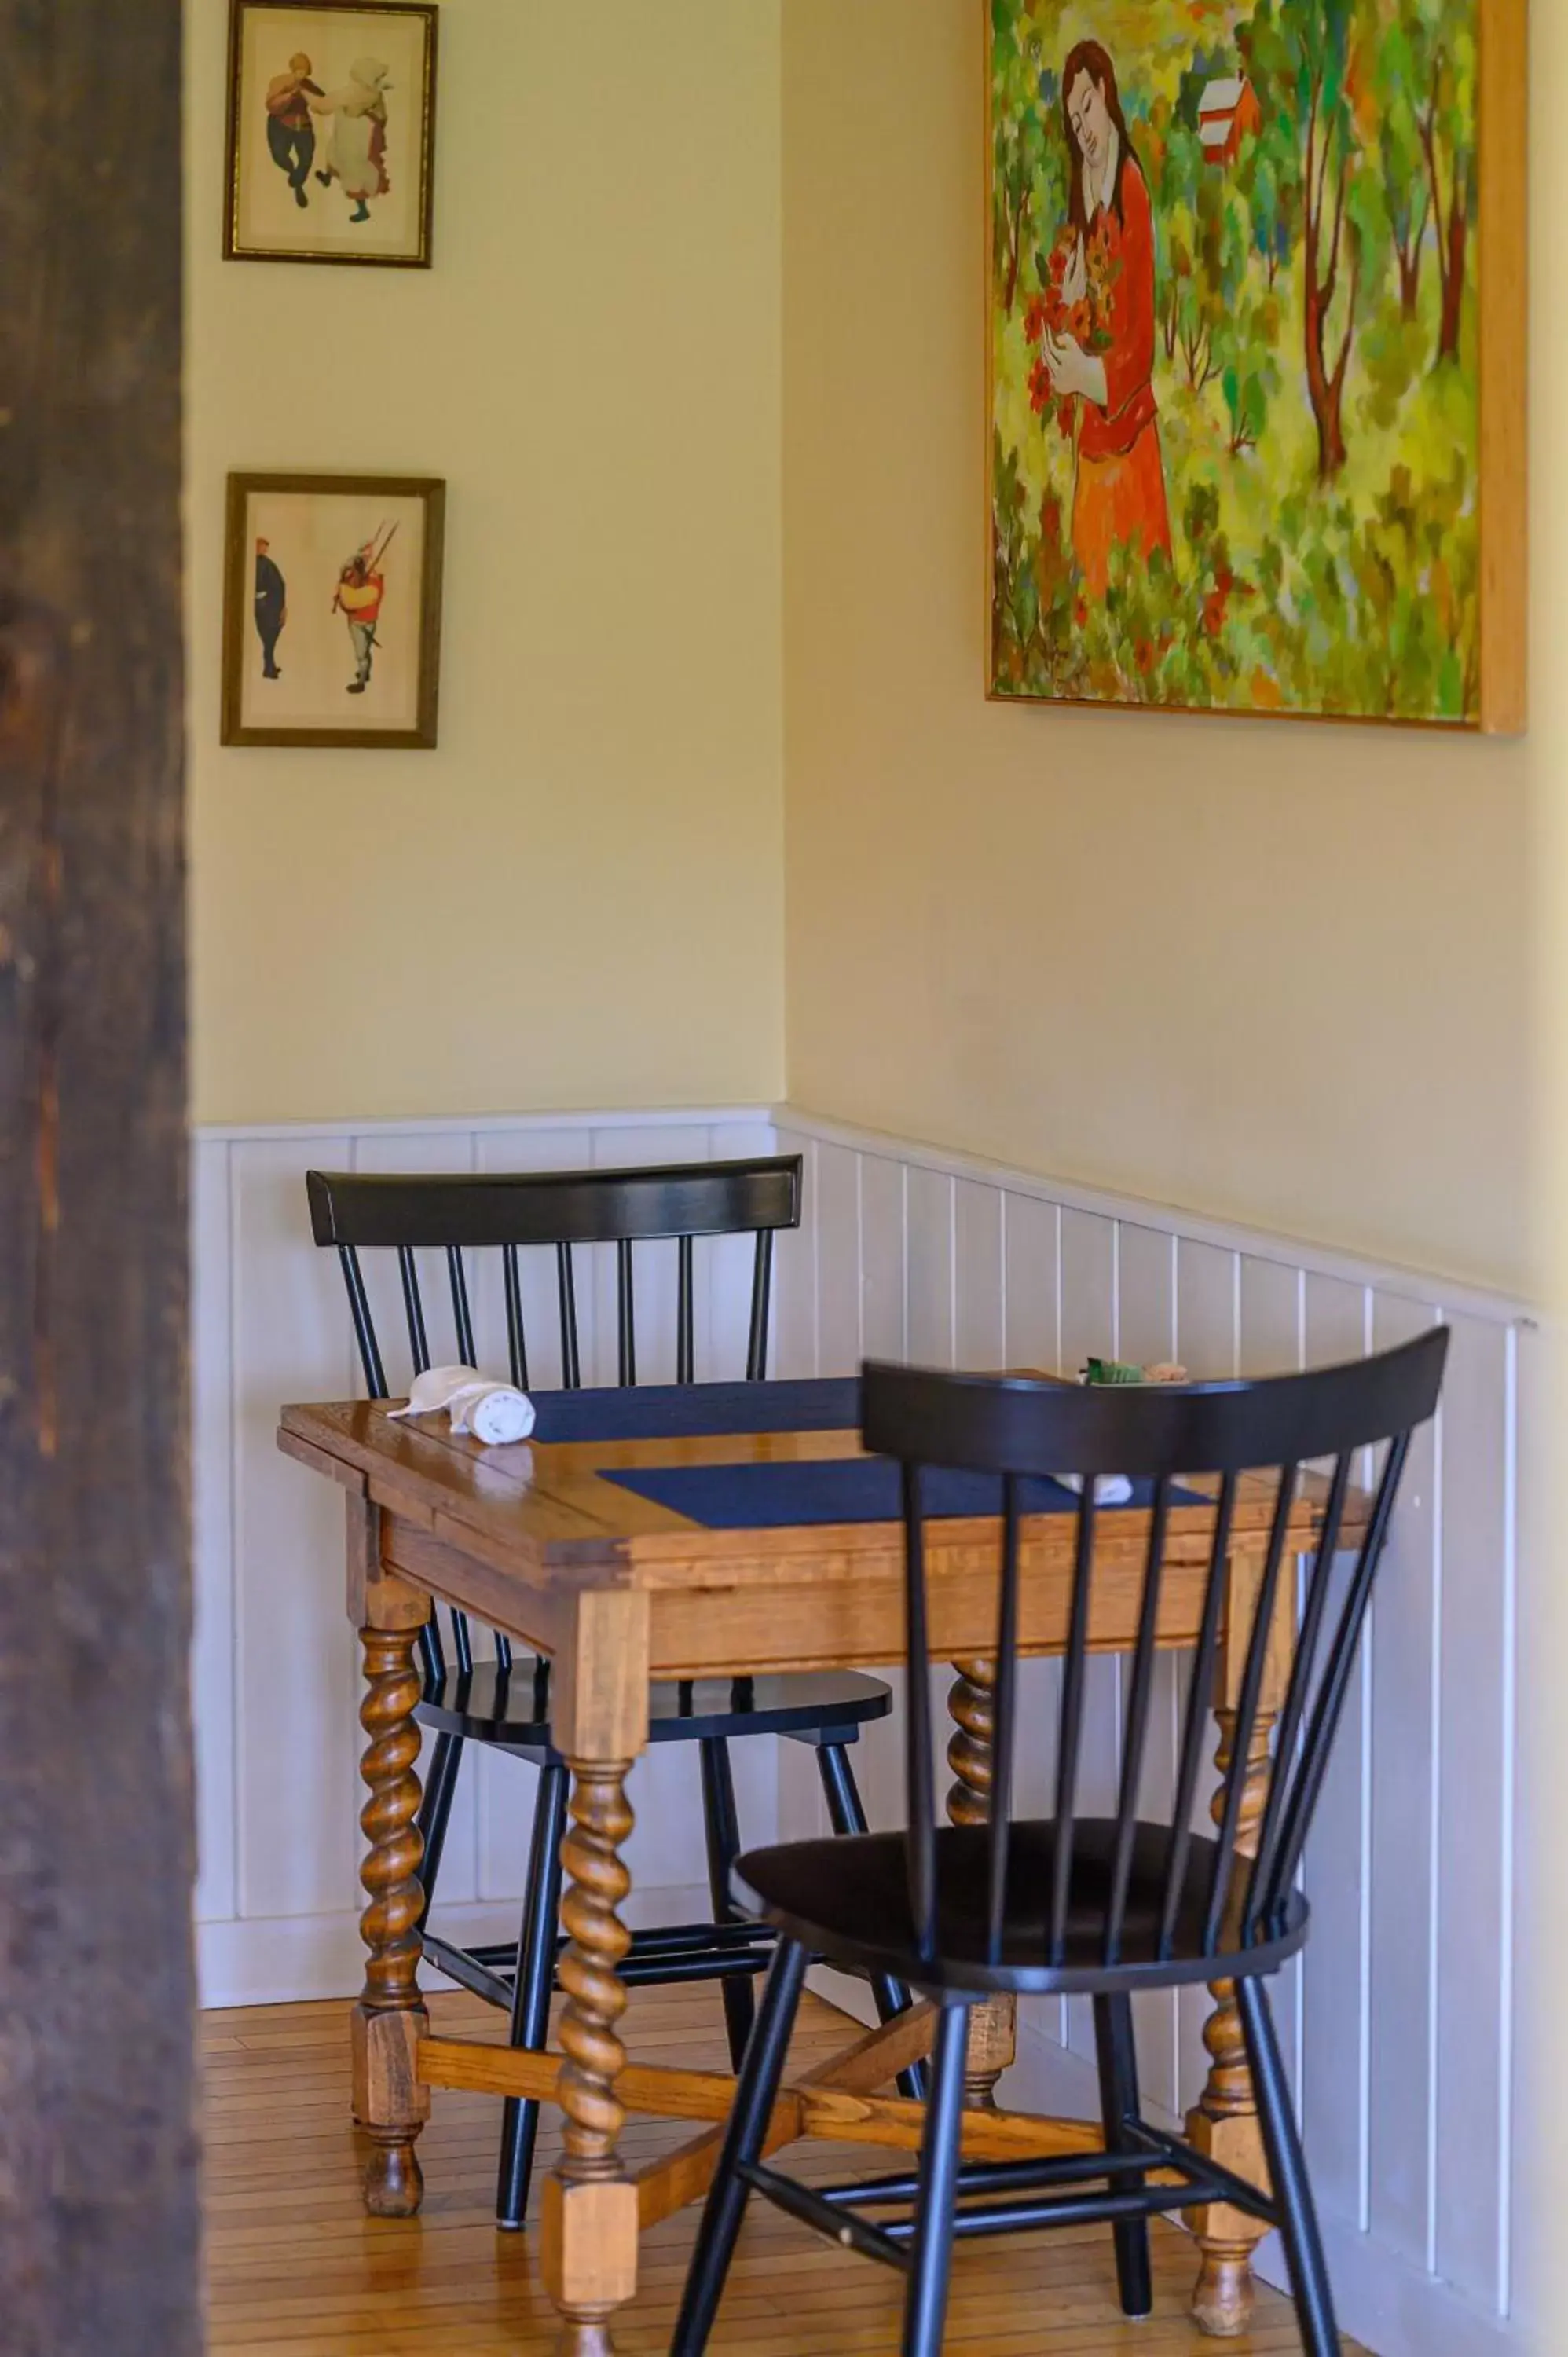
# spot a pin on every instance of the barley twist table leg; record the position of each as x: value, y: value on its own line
x: 971, y: 1706
x: 1225, y: 2124
x: 590, y: 2203
x: 389, y: 2102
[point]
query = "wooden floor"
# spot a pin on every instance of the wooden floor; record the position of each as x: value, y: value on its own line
x: 295, y: 2269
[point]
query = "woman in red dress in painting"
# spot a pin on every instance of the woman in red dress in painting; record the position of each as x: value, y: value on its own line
x: 1119, y: 500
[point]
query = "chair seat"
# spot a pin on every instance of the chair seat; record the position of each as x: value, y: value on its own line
x: 510, y: 1707
x: 849, y: 1900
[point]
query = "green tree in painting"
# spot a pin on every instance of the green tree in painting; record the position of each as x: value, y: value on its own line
x: 1180, y: 160
x: 1301, y: 54
x: 1445, y: 63
x: 1207, y: 240
x: 1250, y: 376
x: 1269, y: 188
x: 1425, y: 79
x: 1019, y: 146
x: 1402, y: 159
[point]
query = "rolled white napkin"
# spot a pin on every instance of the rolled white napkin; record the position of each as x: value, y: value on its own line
x: 495, y: 1413
x: 1110, y: 1489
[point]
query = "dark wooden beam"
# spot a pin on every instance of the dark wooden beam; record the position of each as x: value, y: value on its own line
x: 98, y: 2155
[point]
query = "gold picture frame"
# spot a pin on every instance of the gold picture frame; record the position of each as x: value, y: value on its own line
x: 332, y: 611
x: 331, y: 137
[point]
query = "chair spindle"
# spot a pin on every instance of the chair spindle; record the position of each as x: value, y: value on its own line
x: 364, y: 1324
x: 1248, y: 1700
x: 1070, y: 1727
x: 1299, y: 1685
x: 567, y: 1282
x: 1307, y: 1782
x: 761, y: 1302
x: 686, y: 1321
x: 414, y: 1305
x: 1003, y: 1742
x: 462, y: 1316
x: 516, y: 1337
x: 625, y: 1310
x: 1136, y: 1742
x: 1195, y: 1728
x: 922, y: 1850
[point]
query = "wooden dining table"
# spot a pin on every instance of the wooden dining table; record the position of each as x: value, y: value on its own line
x: 709, y: 1532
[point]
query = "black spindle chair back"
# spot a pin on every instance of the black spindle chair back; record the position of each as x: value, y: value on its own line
x: 1211, y: 1899
x: 457, y: 1219
x: 1082, y: 1903
x: 549, y: 1211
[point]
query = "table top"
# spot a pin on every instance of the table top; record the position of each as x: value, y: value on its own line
x: 783, y: 1512
x: 647, y: 1479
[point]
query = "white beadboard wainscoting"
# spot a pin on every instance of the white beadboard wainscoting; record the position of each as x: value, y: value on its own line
x: 275, y: 1674
x: 1400, y: 2026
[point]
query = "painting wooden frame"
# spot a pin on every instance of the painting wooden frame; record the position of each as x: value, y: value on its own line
x: 1481, y: 682
x: 340, y: 28
x: 346, y: 501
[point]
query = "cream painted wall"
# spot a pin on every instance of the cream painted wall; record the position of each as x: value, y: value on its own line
x: 576, y: 900
x: 1274, y: 973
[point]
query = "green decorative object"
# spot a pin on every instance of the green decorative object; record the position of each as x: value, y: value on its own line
x: 1112, y: 1371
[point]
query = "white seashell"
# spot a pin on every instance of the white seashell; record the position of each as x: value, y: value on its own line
x: 437, y: 1389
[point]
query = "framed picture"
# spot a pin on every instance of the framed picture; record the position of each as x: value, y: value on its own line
x: 332, y: 610
x: 1256, y: 357
x: 331, y: 132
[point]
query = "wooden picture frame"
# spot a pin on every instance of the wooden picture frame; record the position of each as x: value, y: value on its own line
x: 315, y: 568
x: 328, y: 163
x: 1268, y: 541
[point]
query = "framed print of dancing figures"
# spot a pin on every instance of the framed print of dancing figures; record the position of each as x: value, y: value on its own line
x: 331, y: 132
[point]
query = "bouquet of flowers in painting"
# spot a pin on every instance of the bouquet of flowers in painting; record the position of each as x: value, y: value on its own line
x: 1075, y: 301
x: 1235, y: 354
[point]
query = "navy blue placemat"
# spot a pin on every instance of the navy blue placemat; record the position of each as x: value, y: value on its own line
x: 685, y: 1411
x: 846, y: 1489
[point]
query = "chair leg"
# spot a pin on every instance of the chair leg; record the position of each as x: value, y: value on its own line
x: 931, y: 2257
x: 847, y: 1814
x: 435, y: 1813
x: 532, y: 1991
x: 748, y: 2118
x: 1118, y: 2058
x: 1287, y: 2174
x: 722, y: 1828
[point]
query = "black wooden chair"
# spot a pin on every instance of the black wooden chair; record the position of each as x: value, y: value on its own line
x: 503, y: 1701
x: 1104, y: 1907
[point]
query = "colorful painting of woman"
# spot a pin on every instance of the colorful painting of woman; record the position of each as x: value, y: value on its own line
x: 1119, y: 497
x: 1245, y: 312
